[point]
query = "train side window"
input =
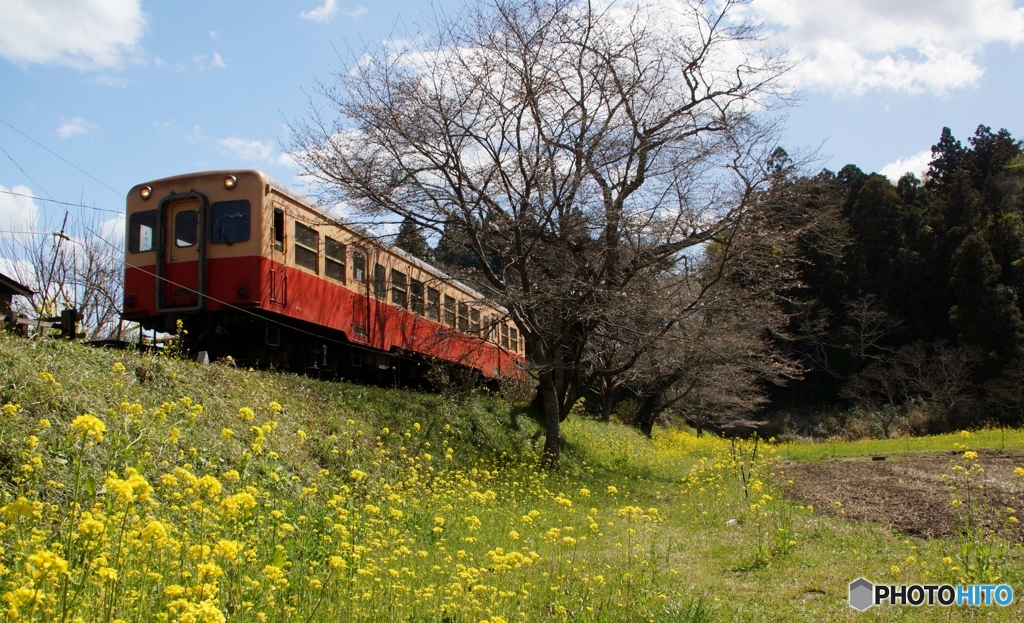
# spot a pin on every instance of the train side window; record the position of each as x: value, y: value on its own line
x: 433, y: 304
x: 334, y: 259
x: 449, y: 311
x: 416, y: 296
x: 307, y: 247
x: 229, y: 221
x: 140, y: 231
x: 358, y: 267
x: 380, y: 282
x: 513, y: 339
x: 504, y: 336
x: 398, y: 284
x: 278, y: 229
x: 474, y: 321
x: 463, y: 317
x: 186, y: 228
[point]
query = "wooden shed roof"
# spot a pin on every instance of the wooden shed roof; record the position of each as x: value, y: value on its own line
x: 8, y: 285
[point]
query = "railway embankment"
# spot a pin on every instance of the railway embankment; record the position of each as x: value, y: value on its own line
x: 144, y: 487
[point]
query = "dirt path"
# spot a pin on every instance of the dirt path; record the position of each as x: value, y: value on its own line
x: 906, y: 492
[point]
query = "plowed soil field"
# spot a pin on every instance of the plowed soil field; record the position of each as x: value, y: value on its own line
x: 907, y: 492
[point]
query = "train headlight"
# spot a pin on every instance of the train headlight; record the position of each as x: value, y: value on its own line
x: 230, y: 182
x: 145, y: 192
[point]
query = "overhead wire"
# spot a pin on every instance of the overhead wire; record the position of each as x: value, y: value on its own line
x: 23, y: 172
x: 62, y: 159
x: 63, y: 203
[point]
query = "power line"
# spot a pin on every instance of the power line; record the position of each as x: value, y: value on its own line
x: 61, y: 158
x: 9, y: 157
x: 63, y: 203
x: 25, y: 233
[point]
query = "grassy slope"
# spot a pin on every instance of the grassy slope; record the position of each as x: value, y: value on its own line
x: 779, y: 562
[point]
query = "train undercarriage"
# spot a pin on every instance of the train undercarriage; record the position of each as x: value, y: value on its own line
x: 256, y: 341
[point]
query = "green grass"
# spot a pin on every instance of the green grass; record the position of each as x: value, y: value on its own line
x: 629, y: 529
x: 1001, y: 439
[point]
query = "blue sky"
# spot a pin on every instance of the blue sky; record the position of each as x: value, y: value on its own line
x: 132, y: 90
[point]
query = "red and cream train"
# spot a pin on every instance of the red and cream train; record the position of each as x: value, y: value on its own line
x: 253, y: 270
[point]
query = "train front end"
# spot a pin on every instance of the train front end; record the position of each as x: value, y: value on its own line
x: 193, y: 247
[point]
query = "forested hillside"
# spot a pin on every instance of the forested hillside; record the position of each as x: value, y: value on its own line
x: 913, y: 312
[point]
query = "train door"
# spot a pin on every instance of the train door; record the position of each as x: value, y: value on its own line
x: 278, y: 255
x: 181, y: 254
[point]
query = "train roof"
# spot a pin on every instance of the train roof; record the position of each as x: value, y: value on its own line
x: 295, y: 195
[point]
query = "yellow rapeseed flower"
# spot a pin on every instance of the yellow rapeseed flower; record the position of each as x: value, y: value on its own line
x: 21, y: 507
x: 155, y: 532
x: 45, y: 565
x: 21, y: 597
x: 132, y: 488
x: 88, y: 425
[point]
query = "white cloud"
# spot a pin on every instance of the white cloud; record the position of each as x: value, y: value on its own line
x: 17, y: 213
x: 204, y: 62
x: 286, y: 159
x: 85, y: 34
x: 359, y: 11
x: 322, y: 14
x: 916, y: 164
x: 21, y: 271
x: 853, y: 46
x: 76, y: 127
x: 244, y: 149
x: 112, y: 230
x: 111, y: 81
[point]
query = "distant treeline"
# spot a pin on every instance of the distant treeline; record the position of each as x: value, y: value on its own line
x: 917, y: 311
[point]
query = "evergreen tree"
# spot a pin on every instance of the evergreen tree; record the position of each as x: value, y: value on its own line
x: 985, y: 314
x: 452, y: 249
x: 947, y: 158
x: 411, y: 240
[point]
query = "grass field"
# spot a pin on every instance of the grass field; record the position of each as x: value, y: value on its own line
x: 1002, y: 439
x: 138, y: 488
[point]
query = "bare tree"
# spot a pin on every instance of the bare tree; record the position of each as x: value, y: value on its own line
x: 1006, y: 392
x: 577, y: 149
x: 71, y: 266
x: 939, y: 374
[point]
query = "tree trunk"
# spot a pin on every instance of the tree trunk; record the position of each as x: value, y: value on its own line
x: 646, y: 415
x: 552, y: 418
x: 607, y: 402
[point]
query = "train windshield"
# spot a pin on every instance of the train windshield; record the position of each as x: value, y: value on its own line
x: 229, y: 222
x: 140, y: 231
